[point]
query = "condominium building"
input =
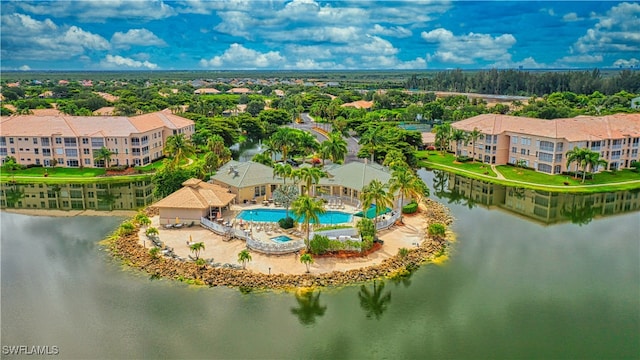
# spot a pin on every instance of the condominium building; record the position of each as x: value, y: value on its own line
x: 74, y: 141
x: 543, y: 144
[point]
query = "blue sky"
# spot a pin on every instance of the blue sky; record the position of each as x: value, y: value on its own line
x: 318, y: 35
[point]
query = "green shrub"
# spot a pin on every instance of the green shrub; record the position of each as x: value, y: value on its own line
x: 403, y: 252
x: 437, y: 230
x: 366, y: 228
x: 367, y: 242
x: 410, y: 208
x: 463, y: 158
x: 286, y: 223
x: 319, y: 244
x: 333, y: 227
x: 127, y: 228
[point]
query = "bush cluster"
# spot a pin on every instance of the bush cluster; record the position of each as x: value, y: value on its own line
x: 321, y: 245
x: 410, y: 208
x: 286, y: 223
x: 463, y: 158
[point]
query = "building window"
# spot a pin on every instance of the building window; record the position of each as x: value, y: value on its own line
x: 97, y: 142
x: 256, y: 191
x: 544, y: 168
x: 558, y: 157
x: 3, y: 141
x: 615, y: 155
x: 72, y: 163
x: 45, y: 141
x: 58, y: 141
x: 86, y: 151
x: 71, y: 152
x: 85, y: 141
x: 87, y: 161
x: 3, y: 152
x: 634, y: 153
x: 546, y: 157
x: 523, y: 151
x: 10, y: 140
x: 35, y: 141
x: 546, y: 146
x: 135, y: 142
x: 13, y: 150
x: 46, y: 152
x: 36, y: 151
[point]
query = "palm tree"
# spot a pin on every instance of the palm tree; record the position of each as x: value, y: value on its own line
x: 309, y: 209
x: 310, y: 176
x: 374, y: 303
x: 262, y: 158
x: 594, y: 161
x: 243, y: 257
x: 443, y: 134
x: 283, y: 170
x: 196, y: 248
x: 284, y: 139
x: 307, y: 142
x: 307, y: 260
x: 474, y: 136
x: 375, y: 193
x: 180, y: 147
x: 458, y: 136
x: 371, y: 140
x: 336, y: 147
x: 308, y: 307
x: 104, y: 154
x: 405, y: 181
x: 579, y: 156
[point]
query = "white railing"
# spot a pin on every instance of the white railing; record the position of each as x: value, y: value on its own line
x: 387, y: 220
x: 253, y: 244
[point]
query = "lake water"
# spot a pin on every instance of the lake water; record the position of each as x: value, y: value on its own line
x: 514, y: 287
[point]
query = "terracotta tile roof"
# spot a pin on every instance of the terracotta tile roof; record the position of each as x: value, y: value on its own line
x: 581, y: 128
x: 45, y: 112
x: 428, y: 138
x: 107, y: 110
x: 197, y: 194
x: 239, y: 91
x: 107, y: 96
x: 73, y: 126
x: 146, y: 122
x: 207, y: 91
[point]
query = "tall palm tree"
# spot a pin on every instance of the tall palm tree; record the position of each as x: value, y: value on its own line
x: 283, y: 170
x: 307, y: 142
x: 180, y: 147
x: 371, y: 139
x: 262, y: 158
x: 594, y: 160
x: 458, y: 136
x: 284, y: 139
x: 474, y: 136
x: 374, y: 303
x: 336, y: 147
x: 243, y: 257
x: 104, y: 154
x: 410, y: 185
x: 310, y: 176
x: 309, y: 209
x: 376, y: 193
x: 196, y: 248
x: 579, y: 156
x: 443, y: 134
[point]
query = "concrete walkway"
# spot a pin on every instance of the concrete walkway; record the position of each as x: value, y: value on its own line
x: 498, y: 173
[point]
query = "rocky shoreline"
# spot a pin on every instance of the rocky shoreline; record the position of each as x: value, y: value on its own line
x: 128, y: 249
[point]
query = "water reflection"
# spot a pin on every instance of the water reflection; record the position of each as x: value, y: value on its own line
x: 124, y: 195
x: 374, y: 302
x: 309, y: 307
x: 541, y: 206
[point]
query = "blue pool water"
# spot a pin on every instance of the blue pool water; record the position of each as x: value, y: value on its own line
x: 273, y: 215
x: 281, y: 238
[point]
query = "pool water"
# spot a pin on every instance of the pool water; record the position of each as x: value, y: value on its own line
x: 281, y: 239
x: 273, y: 215
x: 371, y: 212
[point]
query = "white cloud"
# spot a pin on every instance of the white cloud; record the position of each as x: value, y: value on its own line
x: 239, y: 57
x: 140, y: 37
x: 466, y: 49
x: 24, y: 68
x: 624, y: 63
x: 100, y: 11
x: 393, y: 31
x: 528, y: 63
x: 569, y: 17
x: 76, y: 36
x: 615, y: 31
x: 26, y: 38
x: 117, y: 61
x: 581, y: 59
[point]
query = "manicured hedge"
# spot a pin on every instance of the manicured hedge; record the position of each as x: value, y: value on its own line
x: 410, y: 208
x: 286, y: 223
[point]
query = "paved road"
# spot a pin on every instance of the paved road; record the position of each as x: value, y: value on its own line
x: 352, y: 143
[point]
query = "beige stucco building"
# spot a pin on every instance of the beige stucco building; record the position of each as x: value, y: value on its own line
x: 73, y: 141
x: 543, y: 144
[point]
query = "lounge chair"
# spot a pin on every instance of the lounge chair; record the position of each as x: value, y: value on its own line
x: 168, y: 226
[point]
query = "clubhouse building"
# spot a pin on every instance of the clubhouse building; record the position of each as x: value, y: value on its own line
x: 543, y: 144
x: 74, y: 141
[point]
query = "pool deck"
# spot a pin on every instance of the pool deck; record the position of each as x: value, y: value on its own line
x: 226, y: 251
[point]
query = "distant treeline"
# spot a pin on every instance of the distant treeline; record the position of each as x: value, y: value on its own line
x: 525, y: 83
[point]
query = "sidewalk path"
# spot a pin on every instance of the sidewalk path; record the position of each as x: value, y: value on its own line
x: 498, y: 173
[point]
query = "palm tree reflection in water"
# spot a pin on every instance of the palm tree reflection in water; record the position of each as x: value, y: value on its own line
x: 309, y: 307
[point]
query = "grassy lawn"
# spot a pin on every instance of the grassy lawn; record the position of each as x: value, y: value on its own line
x: 56, y: 172
x: 436, y: 158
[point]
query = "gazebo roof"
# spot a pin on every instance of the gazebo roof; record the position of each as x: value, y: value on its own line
x: 197, y: 194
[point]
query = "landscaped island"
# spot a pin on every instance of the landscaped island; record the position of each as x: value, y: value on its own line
x: 126, y: 245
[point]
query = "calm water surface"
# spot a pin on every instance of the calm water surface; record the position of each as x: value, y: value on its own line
x: 512, y: 288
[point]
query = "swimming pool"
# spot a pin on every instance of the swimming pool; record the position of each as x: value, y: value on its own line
x: 273, y: 215
x: 281, y: 239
